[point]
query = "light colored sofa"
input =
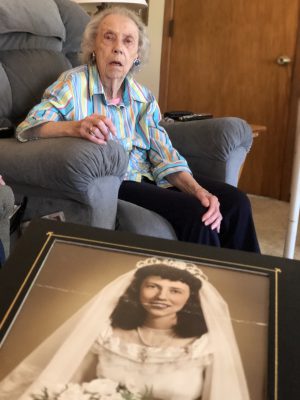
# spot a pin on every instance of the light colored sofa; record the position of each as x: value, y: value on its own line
x: 37, y: 43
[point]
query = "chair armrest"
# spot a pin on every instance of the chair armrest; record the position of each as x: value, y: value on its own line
x: 6, y: 201
x: 66, y: 165
x: 215, y: 148
x: 6, y: 207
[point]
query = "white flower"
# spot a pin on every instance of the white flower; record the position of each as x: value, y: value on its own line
x: 73, y: 392
x: 102, y: 386
x: 130, y: 386
x: 55, y: 390
x: 98, y: 389
x: 114, y: 396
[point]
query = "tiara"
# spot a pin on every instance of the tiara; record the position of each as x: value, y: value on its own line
x: 169, y: 262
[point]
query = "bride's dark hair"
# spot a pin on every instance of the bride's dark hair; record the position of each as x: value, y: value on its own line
x: 129, y: 312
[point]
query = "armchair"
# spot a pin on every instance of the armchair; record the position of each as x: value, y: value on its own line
x: 72, y: 175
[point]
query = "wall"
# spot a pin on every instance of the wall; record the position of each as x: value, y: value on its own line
x: 149, y: 75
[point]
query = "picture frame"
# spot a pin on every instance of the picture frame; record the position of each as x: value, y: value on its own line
x: 57, y: 263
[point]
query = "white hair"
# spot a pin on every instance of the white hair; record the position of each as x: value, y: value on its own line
x: 91, y: 30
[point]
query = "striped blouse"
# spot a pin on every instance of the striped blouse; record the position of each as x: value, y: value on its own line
x: 78, y: 93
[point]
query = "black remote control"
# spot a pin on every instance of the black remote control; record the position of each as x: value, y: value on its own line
x: 194, y: 117
x: 176, y: 114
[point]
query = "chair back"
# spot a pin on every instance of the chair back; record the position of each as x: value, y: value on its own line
x: 38, y: 41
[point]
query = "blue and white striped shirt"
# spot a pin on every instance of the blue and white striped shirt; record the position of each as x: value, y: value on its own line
x: 79, y: 92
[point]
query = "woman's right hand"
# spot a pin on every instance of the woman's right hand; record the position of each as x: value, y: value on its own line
x: 96, y: 128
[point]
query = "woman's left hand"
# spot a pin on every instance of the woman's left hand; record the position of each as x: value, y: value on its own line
x: 213, y: 216
x: 2, y: 183
x: 186, y: 183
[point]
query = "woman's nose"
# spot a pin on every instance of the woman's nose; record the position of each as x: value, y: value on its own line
x: 118, y: 47
x: 162, y: 294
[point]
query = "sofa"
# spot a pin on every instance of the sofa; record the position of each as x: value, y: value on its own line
x: 38, y: 41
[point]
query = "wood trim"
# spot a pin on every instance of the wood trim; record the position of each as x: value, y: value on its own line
x: 165, y: 55
x: 292, y: 121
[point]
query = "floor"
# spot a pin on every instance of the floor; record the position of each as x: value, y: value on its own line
x: 271, y: 220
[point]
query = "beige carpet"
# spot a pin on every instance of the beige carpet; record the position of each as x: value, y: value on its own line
x: 271, y: 220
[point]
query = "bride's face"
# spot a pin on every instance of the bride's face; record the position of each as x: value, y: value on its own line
x: 162, y: 297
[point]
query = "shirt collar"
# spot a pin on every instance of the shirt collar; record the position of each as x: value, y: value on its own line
x: 132, y: 90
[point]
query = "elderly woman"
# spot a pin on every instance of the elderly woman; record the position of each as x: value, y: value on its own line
x: 100, y: 101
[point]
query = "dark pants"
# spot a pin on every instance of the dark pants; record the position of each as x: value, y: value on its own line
x: 184, y: 212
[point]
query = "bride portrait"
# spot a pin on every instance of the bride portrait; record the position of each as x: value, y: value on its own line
x: 158, y: 332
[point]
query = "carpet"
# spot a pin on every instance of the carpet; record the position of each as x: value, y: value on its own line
x: 271, y: 221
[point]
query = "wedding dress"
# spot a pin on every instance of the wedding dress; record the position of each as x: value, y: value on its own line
x: 173, y: 373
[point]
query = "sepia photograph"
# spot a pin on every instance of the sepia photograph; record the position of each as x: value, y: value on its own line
x: 134, y: 325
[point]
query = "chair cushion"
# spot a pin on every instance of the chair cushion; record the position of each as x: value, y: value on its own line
x: 24, y: 40
x: 74, y: 19
x: 38, y: 41
x: 37, y: 17
x: 25, y: 74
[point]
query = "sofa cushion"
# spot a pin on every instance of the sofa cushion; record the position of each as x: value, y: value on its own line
x: 37, y: 17
x: 25, y: 74
x: 38, y: 41
x: 74, y: 19
x: 24, y: 40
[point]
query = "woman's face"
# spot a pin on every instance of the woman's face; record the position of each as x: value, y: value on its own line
x: 116, y: 46
x: 162, y: 297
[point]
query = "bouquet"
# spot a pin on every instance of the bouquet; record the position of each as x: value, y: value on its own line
x: 97, y: 389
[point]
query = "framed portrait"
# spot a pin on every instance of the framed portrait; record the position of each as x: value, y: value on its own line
x: 91, y: 310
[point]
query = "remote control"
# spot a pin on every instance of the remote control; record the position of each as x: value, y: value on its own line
x: 176, y: 114
x: 194, y: 117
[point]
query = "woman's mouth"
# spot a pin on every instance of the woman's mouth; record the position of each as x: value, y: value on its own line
x: 159, y: 305
x: 116, y: 64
